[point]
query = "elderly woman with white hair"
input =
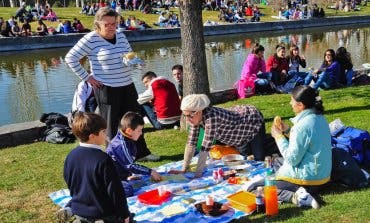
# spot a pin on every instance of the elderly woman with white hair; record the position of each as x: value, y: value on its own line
x: 241, y: 126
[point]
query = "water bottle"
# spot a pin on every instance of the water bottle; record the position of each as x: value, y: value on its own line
x: 260, y: 203
x: 271, y: 198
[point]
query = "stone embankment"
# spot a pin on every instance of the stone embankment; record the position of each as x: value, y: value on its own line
x: 68, y: 40
x: 22, y: 133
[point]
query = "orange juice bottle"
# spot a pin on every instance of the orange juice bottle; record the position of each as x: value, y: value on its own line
x: 271, y: 198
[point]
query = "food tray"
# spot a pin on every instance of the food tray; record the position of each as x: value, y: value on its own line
x: 243, y: 201
x: 152, y: 197
x: 233, y: 160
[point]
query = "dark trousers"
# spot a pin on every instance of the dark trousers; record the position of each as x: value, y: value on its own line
x: 256, y: 146
x: 113, y: 103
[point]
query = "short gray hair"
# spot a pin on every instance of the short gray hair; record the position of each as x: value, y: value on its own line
x: 105, y: 11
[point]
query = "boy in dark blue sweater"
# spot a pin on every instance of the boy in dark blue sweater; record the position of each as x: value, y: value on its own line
x: 91, y: 177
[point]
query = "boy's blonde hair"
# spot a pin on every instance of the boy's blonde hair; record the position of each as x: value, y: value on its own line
x: 85, y: 124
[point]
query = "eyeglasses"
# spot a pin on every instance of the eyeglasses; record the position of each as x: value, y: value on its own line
x: 106, y: 25
x: 191, y: 115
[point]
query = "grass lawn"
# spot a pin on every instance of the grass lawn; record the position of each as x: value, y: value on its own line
x: 87, y: 21
x: 28, y: 173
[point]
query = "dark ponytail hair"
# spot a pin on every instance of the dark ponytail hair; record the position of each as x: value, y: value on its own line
x: 309, y: 97
x: 257, y: 48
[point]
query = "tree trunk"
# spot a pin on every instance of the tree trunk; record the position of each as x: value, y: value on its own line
x: 12, y: 5
x: 77, y: 3
x: 193, y: 50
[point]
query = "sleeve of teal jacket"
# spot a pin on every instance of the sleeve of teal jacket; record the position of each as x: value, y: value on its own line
x: 294, y: 149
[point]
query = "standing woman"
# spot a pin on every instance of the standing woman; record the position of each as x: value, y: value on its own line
x: 327, y: 76
x: 307, y: 151
x: 114, y: 89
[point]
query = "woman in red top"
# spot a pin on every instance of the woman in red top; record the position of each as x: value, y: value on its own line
x: 278, y: 65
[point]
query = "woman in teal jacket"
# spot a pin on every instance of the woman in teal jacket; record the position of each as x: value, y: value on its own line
x: 307, y: 151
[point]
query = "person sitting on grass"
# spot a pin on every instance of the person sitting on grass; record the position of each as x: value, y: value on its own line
x: 123, y: 149
x: 95, y: 187
x: 306, y: 149
x: 328, y: 75
x: 160, y: 101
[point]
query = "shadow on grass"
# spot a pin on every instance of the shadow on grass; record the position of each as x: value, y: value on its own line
x: 347, y: 109
x: 172, y: 157
x: 284, y: 214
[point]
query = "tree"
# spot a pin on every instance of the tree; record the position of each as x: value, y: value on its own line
x: 193, y: 49
x: 12, y: 4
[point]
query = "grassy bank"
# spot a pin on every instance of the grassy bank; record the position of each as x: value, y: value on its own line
x: 29, y: 173
x: 87, y: 21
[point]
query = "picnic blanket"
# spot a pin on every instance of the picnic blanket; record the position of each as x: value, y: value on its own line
x: 182, y: 188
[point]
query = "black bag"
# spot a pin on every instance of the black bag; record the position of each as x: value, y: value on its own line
x: 53, y: 118
x: 59, y: 134
x: 57, y: 128
x: 346, y: 171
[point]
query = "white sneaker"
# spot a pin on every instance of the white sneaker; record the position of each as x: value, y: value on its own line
x: 150, y: 157
x: 303, y: 198
x: 63, y: 215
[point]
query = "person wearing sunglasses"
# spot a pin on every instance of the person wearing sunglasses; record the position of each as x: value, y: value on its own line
x: 328, y: 75
x: 241, y: 126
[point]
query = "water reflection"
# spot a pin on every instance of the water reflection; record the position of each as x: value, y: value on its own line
x: 39, y: 81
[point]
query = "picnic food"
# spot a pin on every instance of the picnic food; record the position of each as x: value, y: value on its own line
x: 216, y: 209
x: 277, y: 122
x: 130, y: 55
x: 233, y: 159
x: 219, y: 151
x: 173, y: 209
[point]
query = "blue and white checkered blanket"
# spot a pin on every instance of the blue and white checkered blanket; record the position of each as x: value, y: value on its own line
x: 182, y: 188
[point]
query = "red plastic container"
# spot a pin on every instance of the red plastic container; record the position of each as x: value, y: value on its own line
x: 152, y: 197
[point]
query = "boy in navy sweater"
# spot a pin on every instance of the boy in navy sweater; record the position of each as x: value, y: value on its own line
x: 123, y: 151
x: 91, y: 177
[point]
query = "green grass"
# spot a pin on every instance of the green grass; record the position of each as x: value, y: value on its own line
x: 87, y: 21
x: 28, y: 173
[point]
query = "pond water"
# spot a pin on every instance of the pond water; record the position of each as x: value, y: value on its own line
x: 35, y: 82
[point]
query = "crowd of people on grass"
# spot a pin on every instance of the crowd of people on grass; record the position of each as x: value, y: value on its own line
x: 99, y: 189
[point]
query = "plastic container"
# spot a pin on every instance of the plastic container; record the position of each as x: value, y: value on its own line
x: 152, y: 197
x: 260, y: 201
x: 271, y: 197
x: 243, y: 201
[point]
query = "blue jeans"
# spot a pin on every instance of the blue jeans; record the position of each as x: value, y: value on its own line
x: 301, y: 76
x: 263, y: 79
x: 152, y: 116
x: 322, y: 81
x: 349, y: 76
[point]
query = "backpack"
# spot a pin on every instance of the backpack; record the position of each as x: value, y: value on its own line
x: 346, y: 171
x: 354, y: 141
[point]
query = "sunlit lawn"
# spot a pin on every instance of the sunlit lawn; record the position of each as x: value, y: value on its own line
x: 29, y: 173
